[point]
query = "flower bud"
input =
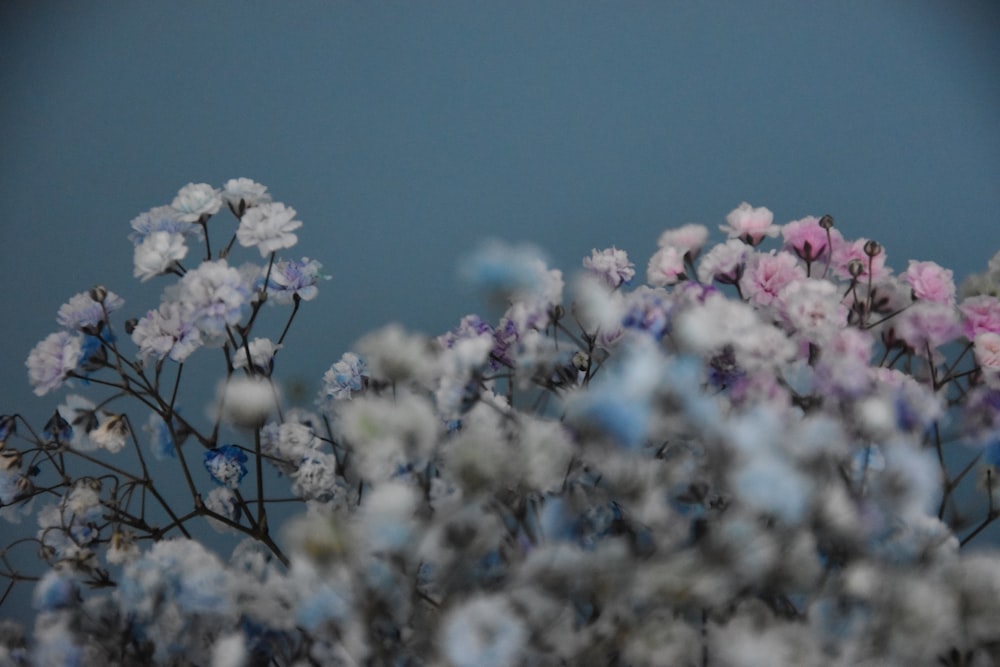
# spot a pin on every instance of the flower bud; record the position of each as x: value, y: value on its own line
x: 10, y: 460
x: 99, y: 293
x: 581, y: 360
x: 130, y: 325
x: 855, y: 267
x: 872, y: 248
x: 826, y: 222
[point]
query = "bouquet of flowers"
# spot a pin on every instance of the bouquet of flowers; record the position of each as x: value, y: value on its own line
x: 759, y: 456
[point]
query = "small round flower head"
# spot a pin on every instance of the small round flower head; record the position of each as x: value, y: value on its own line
x: 666, y: 267
x: 213, y: 296
x: 506, y: 270
x: 688, y: 239
x: 290, y: 279
x: 980, y: 314
x: 396, y: 355
x: 812, y: 309
x: 344, y: 377
x: 226, y: 465
x: 725, y: 263
x: 166, y: 331
x: 159, y: 219
x: 931, y: 282
x: 243, y: 193
x: 269, y: 227
x: 262, y: 351
x: 808, y: 239
x: 767, y: 275
x: 247, y: 401
x: 52, y: 360
x: 158, y: 253
x: 986, y: 347
x: 471, y: 326
x: 483, y: 632
x: 611, y: 265
x: 196, y: 200
x: 112, y: 434
x: 222, y: 501
x: 85, y: 313
x: 750, y: 224
x: 927, y: 324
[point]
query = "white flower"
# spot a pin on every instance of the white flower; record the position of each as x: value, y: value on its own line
x: 52, y: 360
x: 610, y: 264
x: 269, y: 227
x: 249, y: 192
x: 395, y: 355
x: 483, y: 632
x: 157, y: 253
x: 262, y: 352
x: 689, y: 238
x: 750, y: 224
x: 247, y: 401
x: 196, y: 200
x: 112, y: 434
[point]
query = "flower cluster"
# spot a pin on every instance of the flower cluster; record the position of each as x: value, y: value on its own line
x: 762, y: 455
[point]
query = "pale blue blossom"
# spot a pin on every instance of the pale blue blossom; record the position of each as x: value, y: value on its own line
x: 52, y: 360
x: 345, y: 377
x: 213, y: 296
x: 160, y: 219
x: 85, y: 312
x: 292, y: 279
x: 196, y: 200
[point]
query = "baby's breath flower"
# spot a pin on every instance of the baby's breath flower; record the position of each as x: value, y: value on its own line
x: 268, y: 227
x: 196, y: 200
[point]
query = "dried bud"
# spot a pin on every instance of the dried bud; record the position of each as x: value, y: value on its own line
x: 826, y: 222
x: 855, y: 267
x: 10, y: 460
x: 99, y: 293
x: 872, y: 248
x: 130, y: 325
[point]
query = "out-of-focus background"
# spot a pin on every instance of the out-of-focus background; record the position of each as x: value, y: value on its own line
x: 405, y: 133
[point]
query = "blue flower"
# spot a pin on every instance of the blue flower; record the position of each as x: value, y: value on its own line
x: 291, y: 279
x: 226, y: 465
x: 344, y: 377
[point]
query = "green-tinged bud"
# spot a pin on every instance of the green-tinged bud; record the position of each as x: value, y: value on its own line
x: 872, y: 248
x: 855, y: 267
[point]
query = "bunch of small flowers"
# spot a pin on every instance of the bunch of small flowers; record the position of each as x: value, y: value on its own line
x: 753, y: 458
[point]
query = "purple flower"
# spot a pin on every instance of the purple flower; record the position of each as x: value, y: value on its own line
x: 165, y: 332
x: 226, y: 465
x: 52, y: 360
x: 86, y: 313
x: 611, y: 265
x: 213, y: 297
x: 159, y: 219
x: 290, y: 279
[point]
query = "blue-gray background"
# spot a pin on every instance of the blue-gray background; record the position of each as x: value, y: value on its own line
x: 404, y: 133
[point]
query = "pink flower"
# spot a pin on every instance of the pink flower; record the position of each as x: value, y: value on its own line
x: 689, y: 239
x: 927, y: 324
x: 812, y: 309
x: 931, y: 282
x: 845, y: 251
x: 666, y: 267
x: 766, y: 275
x: 980, y: 314
x: 807, y: 239
x: 750, y: 224
x: 843, y: 362
x: 986, y: 347
x: 611, y: 265
x: 724, y: 263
